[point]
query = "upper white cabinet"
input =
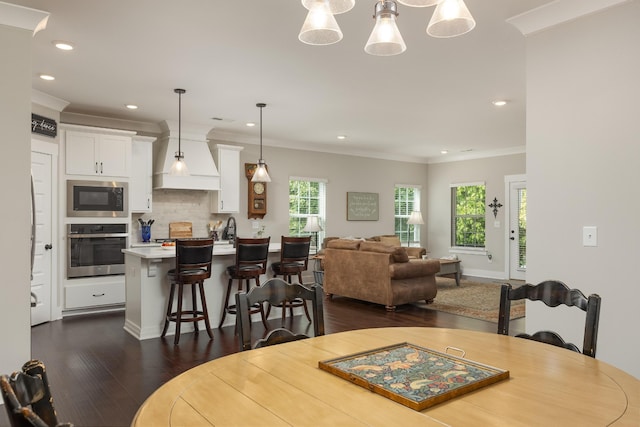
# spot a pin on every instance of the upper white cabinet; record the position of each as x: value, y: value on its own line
x: 97, y: 153
x: 141, y: 183
x: 227, y: 199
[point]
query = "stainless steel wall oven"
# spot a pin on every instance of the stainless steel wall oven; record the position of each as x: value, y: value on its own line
x: 95, y: 249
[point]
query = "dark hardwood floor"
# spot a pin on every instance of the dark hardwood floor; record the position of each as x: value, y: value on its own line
x: 100, y: 374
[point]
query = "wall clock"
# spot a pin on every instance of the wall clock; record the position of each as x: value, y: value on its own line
x: 256, y: 194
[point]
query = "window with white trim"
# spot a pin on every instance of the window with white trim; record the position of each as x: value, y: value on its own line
x: 307, y: 197
x: 468, y: 215
x: 406, y: 200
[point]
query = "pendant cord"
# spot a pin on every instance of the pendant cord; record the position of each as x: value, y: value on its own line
x: 260, y: 133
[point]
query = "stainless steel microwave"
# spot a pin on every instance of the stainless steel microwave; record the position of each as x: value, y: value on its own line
x: 97, y: 199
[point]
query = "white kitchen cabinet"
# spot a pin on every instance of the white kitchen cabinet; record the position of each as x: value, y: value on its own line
x: 141, y: 182
x: 97, y: 153
x: 227, y: 199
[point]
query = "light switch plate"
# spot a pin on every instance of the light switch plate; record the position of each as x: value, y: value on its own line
x: 590, y: 236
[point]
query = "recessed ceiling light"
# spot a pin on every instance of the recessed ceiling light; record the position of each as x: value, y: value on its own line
x: 131, y: 106
x: 499, y: 103
x: 251, y: 124
x: 63, y: 45
x: 342, y: 137
x: 47, y: 77
x: 444, y: 151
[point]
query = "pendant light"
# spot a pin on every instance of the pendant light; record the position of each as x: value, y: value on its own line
x: 385, y: 39
x: 179, y: 168
x: 261, y: 174
x: 450, y: 19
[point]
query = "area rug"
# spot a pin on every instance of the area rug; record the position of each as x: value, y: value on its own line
x: 471, y: 299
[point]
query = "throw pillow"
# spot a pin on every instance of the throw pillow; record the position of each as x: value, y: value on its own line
x: 400, y: 254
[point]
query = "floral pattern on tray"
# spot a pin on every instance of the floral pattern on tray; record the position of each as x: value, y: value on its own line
x: 414, y: 374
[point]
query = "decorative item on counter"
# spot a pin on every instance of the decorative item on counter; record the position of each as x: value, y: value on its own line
x: 214, y: 229
x: 260, y: 232
x: 145, y: 229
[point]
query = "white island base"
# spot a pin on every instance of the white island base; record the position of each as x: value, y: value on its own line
x: 147, y: 289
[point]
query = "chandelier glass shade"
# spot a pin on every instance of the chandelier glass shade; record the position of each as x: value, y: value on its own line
x: 320, y: 27
x: 418, y: 3
x: 450, y: 19
x: 336, y: 7
x: 385, y: 39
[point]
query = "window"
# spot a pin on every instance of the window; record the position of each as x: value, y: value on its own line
x: 307, y: 198
x: 407, y: 200
x: 468, y: 215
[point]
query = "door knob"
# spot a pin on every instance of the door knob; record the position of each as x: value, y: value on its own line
x: 48, y: 246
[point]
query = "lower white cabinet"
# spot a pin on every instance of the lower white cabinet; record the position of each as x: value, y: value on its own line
x: 88, y: 295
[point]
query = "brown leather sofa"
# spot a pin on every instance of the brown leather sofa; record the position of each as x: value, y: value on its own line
x: 375, y: 272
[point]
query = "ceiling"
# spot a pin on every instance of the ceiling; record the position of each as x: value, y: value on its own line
x: 230, y: 55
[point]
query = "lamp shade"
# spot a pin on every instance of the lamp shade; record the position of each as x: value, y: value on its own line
x: 385, y: 39
x: 312, y: 225
x: 418, y: 3
x: 451, y: 18
x: 335, y: 6
x: 415, y: 218
x: 320, y: 27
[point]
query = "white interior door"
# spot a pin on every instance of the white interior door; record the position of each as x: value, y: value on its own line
x: 517, y: 230
x: 41, y: 284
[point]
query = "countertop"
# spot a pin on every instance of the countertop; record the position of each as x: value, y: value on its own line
x: 161, y: 252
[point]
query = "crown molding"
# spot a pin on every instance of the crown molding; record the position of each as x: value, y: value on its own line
x: 22, y: 17
x: 558, y: 12
x: 48, y: 101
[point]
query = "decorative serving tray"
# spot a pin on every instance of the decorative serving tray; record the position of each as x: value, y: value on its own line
x: 414, y: 376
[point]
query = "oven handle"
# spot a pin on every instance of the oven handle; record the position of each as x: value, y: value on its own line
x: 85, y: 236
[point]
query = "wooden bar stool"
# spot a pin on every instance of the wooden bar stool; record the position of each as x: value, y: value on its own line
x: 251, y: 262
x: 294, y: 259
x: 193, y: 266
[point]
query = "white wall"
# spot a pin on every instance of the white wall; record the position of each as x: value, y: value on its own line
x: 583, y: 169
x: 491, y: 171
x: 15, y: 143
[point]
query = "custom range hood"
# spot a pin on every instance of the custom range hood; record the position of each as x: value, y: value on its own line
x: 203, y: 174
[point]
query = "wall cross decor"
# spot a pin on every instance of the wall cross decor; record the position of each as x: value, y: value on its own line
x: 495, y: 205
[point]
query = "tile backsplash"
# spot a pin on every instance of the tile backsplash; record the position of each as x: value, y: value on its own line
x: 176, y: 205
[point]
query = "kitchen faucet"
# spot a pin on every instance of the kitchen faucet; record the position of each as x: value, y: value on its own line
x: 230, y: 231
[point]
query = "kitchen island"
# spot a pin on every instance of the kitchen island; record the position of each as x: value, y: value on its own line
x: 147, y: 287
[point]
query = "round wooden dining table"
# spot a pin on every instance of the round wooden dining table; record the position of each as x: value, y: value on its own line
x: 282, y: 385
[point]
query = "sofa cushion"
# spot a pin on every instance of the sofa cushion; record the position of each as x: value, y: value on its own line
x: 390, y: 240
x: 399, y: 253
x: 416, y: 268
x: 344, y: 244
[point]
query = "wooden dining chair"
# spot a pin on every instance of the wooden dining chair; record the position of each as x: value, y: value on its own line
x: 294, y: 260
x: 275, y: 291
x: 553, y: 293
x: 27, y: 397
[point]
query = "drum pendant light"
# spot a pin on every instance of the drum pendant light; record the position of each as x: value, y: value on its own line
x: 261, y: 174
x: 179, y: 167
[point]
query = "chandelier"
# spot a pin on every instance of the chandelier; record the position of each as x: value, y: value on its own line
x: 450, y: 18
